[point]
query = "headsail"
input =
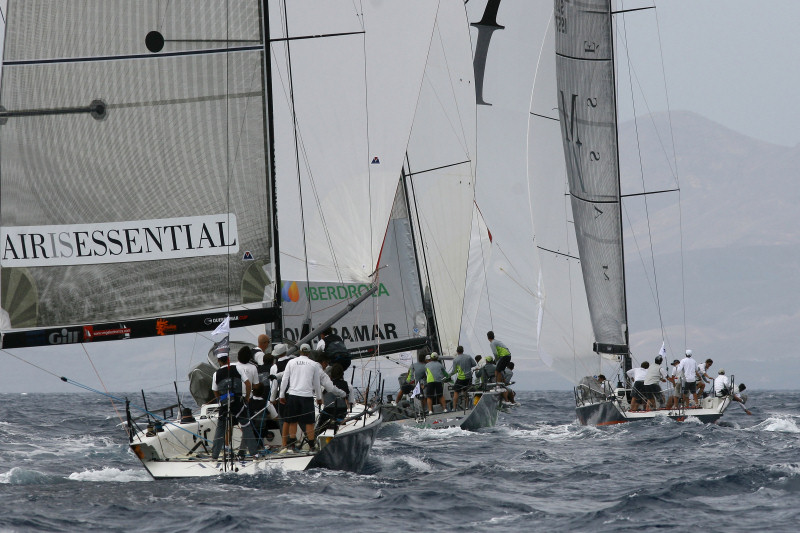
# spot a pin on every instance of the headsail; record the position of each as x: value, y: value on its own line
x: 587, y: 110
x: 132, y: 168
x: 346, y: 112
x: 442, y: 173
x: 564, y: 330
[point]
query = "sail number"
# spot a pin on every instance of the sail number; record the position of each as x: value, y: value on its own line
x: 561, y: 19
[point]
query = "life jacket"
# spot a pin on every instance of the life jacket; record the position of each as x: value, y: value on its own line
x: 229, y: 384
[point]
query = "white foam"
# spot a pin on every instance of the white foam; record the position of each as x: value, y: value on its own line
x: 111, y: 474
x: 791, y: 469
x: 781, y: 424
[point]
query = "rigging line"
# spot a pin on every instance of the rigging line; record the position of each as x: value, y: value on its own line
x: 641, y: 173
x: 650, y: 112
x: 373, y: 259
x: 483, y: 264
x: 653, y: 293
x: 461, y: 130
x: 288, y: 54
x: 113, y: 406
x: 677, y: 175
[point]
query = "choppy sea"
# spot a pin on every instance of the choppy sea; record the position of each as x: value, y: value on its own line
x: 65, y: 466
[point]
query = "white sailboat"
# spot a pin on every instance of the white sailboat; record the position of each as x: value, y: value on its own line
x: 583, y: 321
x: 142, y: 168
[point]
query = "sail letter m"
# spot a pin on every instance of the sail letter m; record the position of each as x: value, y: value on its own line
x: 570, y: 120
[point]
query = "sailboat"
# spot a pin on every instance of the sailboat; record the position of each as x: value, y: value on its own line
x: 141, y: 172
x: 583, y: 316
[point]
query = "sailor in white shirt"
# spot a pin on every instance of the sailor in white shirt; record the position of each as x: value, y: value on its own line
x: 689, y: 368
x: 299, y: 386
x: 652, y: 386
x: 637, y: 394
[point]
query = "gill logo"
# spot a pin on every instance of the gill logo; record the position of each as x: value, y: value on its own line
x: 290, y: 292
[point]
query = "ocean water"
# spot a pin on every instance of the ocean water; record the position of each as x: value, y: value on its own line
x: 65, y: 466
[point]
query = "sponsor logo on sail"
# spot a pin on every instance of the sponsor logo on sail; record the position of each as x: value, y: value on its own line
x: 65, y: 336
x: 342, y: 292
x: 290, y: 292
x: 89, y: 333
x: 210, y: 321
x: 118, y: 242
x: 163, y: 327
x: 376, y: 160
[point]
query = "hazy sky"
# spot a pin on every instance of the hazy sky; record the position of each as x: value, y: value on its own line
x: 732, y: 61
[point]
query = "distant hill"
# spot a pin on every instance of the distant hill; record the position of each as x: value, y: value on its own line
x: 741, y: 261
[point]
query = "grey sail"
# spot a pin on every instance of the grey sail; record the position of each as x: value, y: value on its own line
x: 587, y: 108
x: 132, y: 162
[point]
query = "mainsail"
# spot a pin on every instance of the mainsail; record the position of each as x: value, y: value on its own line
x: 132, y: 166
x: 587, y: 110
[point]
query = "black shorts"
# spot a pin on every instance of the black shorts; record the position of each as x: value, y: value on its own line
x: 407, y: 387
x: 433, y: 389
x: 690, y: 386
x: 462, y: 385
x: 652, y: 391
x: 502, y: 363
x: 638, y: 390
x: 300, y: 409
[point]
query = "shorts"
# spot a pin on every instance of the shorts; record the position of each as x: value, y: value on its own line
x: 638, y: 390
x: 652, y: 391
x: 407, y: 387
x: 300, y: 409
x: 690, y: 386
x: 462, y: 385
x: 434, y: 388
x: 502, y: 363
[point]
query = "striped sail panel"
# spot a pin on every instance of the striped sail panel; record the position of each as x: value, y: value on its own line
x: 587, y: 110
x: 133, y: 171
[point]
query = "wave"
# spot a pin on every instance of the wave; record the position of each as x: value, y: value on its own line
x: 779, y: 424
x: 111, y: 474
x: 23, y: 476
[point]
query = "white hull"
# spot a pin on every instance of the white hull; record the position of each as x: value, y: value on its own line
x: 184, y: 450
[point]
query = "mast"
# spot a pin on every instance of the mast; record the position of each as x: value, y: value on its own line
x: 404, y: 179
x: 626, y: 357
x: 277, y: 332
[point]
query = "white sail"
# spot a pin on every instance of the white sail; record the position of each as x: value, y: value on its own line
x: 507, y: 37
x: 442, y: 173
x: 564, y: 330
x: 353, y: 97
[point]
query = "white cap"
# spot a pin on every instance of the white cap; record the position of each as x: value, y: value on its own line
x: 305, y: 348
x: 280, y: 349
x: 688, y: 353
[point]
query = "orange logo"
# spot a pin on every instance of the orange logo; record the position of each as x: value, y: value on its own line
x: 163, y: 327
